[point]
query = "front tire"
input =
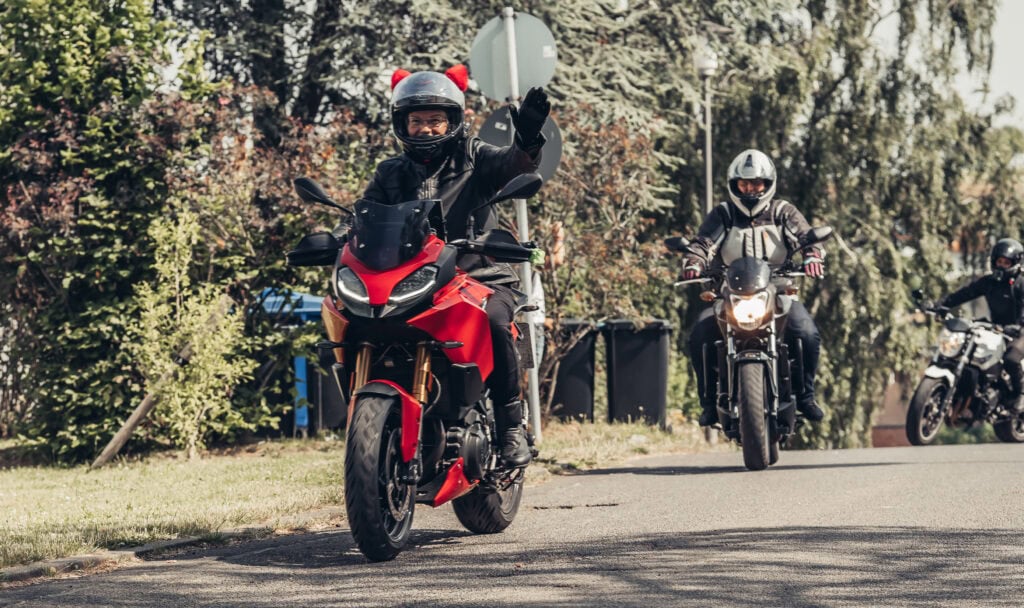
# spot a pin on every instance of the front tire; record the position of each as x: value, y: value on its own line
x: 488, y: 511
x: 380, y: 508
x: 926, y: 413
x: 1012, y: 430
x: 753, y: 430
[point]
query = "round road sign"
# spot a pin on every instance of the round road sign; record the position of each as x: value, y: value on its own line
x: 536, y: 56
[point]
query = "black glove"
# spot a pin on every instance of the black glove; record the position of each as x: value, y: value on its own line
x: 529, y: 117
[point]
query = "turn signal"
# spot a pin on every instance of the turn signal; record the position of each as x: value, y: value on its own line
x: 707, y: 296
x: 791, y: 290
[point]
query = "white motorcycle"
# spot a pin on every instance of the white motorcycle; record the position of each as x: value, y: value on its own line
x: 965, y: 383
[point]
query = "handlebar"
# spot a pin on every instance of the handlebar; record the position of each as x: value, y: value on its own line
x: 501, y: 251
x: 1011, y: 330
x: 938, y: 311
x: 711, y: 275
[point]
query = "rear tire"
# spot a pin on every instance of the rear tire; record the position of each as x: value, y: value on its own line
x: 489, y: 511
x: 753, y: 430
x: 380, y: 508
x: 926, y: 414
x: 1012, y: 430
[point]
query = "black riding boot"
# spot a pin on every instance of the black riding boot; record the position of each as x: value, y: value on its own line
x: 515, y: 449
x: 702, y: 336
x: 1015, y: 400
x: 800, y: 328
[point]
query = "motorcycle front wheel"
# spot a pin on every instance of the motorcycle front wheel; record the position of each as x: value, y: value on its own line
x: 750, y: 391
x: 926, y: 412
x: 379, y: 506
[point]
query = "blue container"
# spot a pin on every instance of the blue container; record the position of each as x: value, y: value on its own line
x: 297, y: 308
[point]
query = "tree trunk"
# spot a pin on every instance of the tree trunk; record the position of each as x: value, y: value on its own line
x: 319, y: 61
x: 268, y: 55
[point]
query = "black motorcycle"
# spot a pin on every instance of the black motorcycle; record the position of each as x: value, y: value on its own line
x: 965, y: 383
x: 753, y: 375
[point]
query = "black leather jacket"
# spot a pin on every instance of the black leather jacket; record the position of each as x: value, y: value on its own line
x: 466, y: 179
x: 1005, y: 301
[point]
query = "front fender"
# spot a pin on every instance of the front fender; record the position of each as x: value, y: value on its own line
x: 412, y: 412
x: 765, y: 361
x: 940, y: 373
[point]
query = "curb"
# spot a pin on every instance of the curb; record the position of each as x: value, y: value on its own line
x: 64, y: 565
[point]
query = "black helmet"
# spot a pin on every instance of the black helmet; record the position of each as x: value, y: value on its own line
x: 1012, y: 250
x: 427, y: 91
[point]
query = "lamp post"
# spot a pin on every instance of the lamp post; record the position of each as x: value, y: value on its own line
x: 706, y: 64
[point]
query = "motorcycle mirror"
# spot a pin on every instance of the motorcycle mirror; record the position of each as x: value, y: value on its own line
x: 521, y: 186
x: 817, y: 235
x: 678, y: 243
x: 917, y: 294
x: 311, y: 192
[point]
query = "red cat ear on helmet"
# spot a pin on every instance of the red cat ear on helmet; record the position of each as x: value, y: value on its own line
x: 458, y: 74
x: 397, y: 77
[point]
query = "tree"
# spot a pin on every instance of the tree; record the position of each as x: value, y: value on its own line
x: 80, y: 178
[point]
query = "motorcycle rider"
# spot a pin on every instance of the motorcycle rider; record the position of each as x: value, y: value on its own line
x: 754, y: 223
x: 1004, y: 295
x: 440, y: 161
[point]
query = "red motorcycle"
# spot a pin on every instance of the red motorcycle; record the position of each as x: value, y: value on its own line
x: 413, y: 350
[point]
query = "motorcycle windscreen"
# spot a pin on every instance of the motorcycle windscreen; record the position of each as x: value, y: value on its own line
x: 748, y: 276
x: 385, y: 236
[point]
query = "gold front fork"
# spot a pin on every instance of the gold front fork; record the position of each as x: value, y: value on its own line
x: 360, y: 377
x: 421, y: 376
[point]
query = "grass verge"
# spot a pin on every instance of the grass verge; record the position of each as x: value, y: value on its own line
x: 49, y: 512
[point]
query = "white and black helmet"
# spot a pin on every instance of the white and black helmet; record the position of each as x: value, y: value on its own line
x: 752, y: 164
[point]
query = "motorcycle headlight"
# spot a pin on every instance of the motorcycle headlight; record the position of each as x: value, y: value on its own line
x: 950, y: 342
x: 350, y: 286
x: 414, y: 285
x: 749, y: 311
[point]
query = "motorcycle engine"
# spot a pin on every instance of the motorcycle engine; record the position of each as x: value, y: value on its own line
x: 472, y: 444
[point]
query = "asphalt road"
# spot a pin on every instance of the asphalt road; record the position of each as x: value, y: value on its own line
x: 935, y: 526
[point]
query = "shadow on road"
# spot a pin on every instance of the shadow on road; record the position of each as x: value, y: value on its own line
x: 738, y: 468
x: 802, y: 567
x: 331, y: 549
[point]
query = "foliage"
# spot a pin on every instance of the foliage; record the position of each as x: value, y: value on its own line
x: 80, y: 173
x: 84, y: 177
x: 188, y: 343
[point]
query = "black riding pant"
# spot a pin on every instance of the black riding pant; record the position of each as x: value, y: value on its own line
x: 799, y: 326
x: 1011, y: 363
x: 504, y: 380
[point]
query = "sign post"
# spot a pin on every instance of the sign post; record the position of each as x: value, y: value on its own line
x: 533, y: 43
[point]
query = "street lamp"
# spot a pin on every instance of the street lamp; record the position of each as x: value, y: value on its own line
x: 706, y: 64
